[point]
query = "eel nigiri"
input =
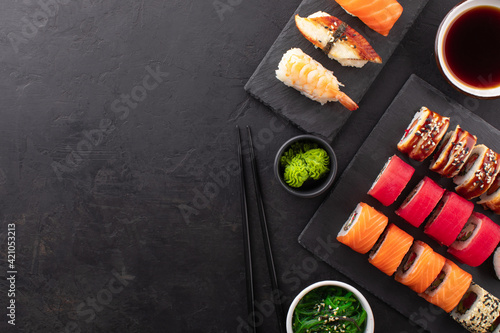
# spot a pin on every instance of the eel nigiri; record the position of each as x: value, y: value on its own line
x: 379, y: 15
x: 338, y: 40
x: 390, y: 249
x: 298, y: 70
x: 449, y: 287
x: 420, y: 267
x: 362, y: 229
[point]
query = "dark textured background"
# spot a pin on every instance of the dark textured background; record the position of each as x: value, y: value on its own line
x: 128, y: 215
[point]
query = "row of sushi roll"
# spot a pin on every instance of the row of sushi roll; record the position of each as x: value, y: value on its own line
x: 416, y: 265
x: 470, y: 236
x: 475, y: 168
x: 338, y: 41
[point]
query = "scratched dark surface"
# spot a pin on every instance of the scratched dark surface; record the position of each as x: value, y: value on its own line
x: 120, y: 178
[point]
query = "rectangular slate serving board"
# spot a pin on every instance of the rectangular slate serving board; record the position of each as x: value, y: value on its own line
x: 310, y: 116
x: 354, y: 183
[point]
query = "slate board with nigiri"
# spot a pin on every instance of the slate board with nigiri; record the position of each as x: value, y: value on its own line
x: 325, y: 120
x: 355, y: 182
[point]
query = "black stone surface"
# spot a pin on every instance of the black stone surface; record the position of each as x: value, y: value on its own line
x: 325, y: 120
x: 357, y: 179
x: 121, y: 180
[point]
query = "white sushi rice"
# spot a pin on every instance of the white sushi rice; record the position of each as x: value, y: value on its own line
x: 460, y: 245
x: 496, y: 262
x: 480, y: 151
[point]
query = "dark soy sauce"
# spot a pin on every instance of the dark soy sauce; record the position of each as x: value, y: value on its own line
x: 472, y: 47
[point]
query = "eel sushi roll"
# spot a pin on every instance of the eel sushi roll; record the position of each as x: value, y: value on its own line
x: 477, y: 240
x: 449, y: 287
x: 391, y: 181
x: 478, y: 174
x: 448, y: 218
x: 301, y: 72
x: 390, y: 249
x: 452, y: 152
x: 362, y: 229
x: 420, y: 267
x: 423, y: 134
x: 491, y: 198
x: 478, y: 310
x: 420, y: 202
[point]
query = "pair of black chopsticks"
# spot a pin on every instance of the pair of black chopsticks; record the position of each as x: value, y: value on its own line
x: 265, y: 235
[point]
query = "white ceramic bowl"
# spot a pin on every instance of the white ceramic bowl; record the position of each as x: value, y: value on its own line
x: 370, y: 324
x: 449, y: 19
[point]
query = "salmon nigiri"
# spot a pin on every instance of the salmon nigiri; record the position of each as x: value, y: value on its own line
x: 420, y: 267
x: 362, y: 229
x: 449, y: 287
x: 380, y: 15
x: 298, y: 70
x: 390, y: 249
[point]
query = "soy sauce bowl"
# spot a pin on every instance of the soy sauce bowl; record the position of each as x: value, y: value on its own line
x: 370, y: 321
x: 482, y: 88
x: 311, y: 188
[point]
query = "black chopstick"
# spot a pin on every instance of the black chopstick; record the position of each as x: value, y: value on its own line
x: 265, y: 234
x: 246, y: 240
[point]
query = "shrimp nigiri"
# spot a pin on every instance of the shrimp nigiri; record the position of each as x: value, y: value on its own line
x: 380, y: 15
x: 298, y: 70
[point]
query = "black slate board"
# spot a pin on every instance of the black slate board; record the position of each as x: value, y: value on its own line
x: 325, y: 120
x: 354, y: 183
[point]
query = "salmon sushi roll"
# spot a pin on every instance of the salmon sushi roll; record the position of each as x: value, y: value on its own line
x: 478, y: 310
x: 391, y: 181
x: 477, y: 240
x: 420, y: 267
x: 301, y: 72
x: 379, y: 15
x: 449, y: 287
x: 390, y: 249
x: 362, y: 229
x: 420, y: 202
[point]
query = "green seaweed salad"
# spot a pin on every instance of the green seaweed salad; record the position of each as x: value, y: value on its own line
x: 329, y: 309
x: 304, y: 161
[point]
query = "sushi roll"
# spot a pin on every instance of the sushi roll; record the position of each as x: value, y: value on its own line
x: 477, y: 240
x: 420, y: 267
x: 478, y: 310
x: 379, y: 15
x: 449, y: 217
x: 391, y: 181
x: 478, y: 174
x: 449, y: 287
x: 496, y: 262
x: 362, y: 229
x: 390, y: 249
x: 452, y: 153
x: 338, y: 40
x: 491, y: 198
x: 423, y: 134
x: 301, y: 72
x: 420, y: 202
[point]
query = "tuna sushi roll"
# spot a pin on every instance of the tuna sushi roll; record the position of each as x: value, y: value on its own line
x: 477, y: 240
x: 423, y: 134
x: 449, y: 287
x: 420, y: 202
x: 420, y: 267
x: 478, y: 310
x: 478, y: 174
x: 452, y: 152
x: 449, y: 217
x: 491, y: 198
x: 391, y: 181
x: 362, y: 229
x: 390, y: 249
